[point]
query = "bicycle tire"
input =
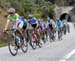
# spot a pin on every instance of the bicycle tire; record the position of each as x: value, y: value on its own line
x: 16, y: 51
x: 24, y: 47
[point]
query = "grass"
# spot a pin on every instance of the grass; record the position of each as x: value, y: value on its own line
x: 2, y: 44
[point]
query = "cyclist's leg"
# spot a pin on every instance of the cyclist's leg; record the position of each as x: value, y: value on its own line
x: 50, y: 34
x: 19, y: 29
x: 25, y: 32
x: 58, y: 33
x: 34, y: 29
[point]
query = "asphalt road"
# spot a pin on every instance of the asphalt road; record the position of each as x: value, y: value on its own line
x: 56, y: 51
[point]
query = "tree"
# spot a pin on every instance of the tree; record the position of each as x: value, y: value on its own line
x: 24, y: 7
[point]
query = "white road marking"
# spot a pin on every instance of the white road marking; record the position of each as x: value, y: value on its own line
x: 68, y: 56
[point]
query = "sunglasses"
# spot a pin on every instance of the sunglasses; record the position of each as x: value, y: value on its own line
x: 10, y: 13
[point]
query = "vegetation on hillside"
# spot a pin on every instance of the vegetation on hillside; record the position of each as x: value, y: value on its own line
x: 43, y: 8
x: 62, y: 2
x: 24, y: 7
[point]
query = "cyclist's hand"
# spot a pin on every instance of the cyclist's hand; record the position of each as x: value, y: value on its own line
x: 4, y: 31
x: 14, y: 29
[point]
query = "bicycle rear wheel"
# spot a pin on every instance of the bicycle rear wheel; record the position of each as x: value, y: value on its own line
x: 40, y: 45
x: 24, y: 43
x: 60, y: 35
x: 24, y: 46
x: 33, y: 42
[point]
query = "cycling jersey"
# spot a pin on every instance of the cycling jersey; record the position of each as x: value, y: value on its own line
x: 59, y: 24
x: 49, y: 21
x: 32, y: 21
x: 64, y: 22
x: 13, y: 18
x: 51, y: 24
x: 43, y: 23
x: 25, y: 24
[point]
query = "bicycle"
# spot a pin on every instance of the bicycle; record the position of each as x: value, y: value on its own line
x: 60, y: 33
x: 29, y: 38
x: 43, y: 35
x: 64, y: 29
x: 15, y: 42
x: 51, y: 35
x: 35, y: 39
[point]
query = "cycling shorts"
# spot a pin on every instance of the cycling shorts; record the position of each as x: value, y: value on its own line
x: 34, y: 25
x: 20, y: 25
x: 50, y: 26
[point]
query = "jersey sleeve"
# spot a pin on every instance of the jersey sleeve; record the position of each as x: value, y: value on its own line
x: 16, y: 16
x: 8, y: 18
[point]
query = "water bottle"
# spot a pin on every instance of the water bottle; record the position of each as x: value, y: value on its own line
x: 17, y: 39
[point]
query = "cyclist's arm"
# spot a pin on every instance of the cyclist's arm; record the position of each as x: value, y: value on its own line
x: 7, y: 23
x: 28, y: 26
x: 37, y: 23
x: 47, y: 25
x: 16, y: 19
x: 16, y: 22
x: 54, y: 25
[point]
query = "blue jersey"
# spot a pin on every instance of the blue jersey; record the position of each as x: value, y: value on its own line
x: 25, y: 22
x: 33, y: 21
x: 59, y: 23
x: 20, y: 19
x: 43, y: 23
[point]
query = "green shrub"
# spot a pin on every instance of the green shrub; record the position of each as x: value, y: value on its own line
x: 5, y: 14
x: 2, y: 44
x: 37, y: 14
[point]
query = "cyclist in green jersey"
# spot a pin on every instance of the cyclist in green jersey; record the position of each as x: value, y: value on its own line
x: 14, y: 19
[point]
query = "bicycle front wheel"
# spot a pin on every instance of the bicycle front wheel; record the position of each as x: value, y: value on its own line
x: 12, y: 46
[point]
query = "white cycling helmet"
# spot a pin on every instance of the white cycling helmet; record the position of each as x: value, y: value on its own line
x: 30, y: 15
x: 11, y: 10
x: 48, y: 18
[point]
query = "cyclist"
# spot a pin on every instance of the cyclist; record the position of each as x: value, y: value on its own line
x: 32, y: 22
x: 16, y: 21
x: 64, y: 25
x: 59, y: 23
x: 51, y: 26
x: 59, y: 27
x: 25, y: 25
x: 43, y: 30
x: 39, y: 24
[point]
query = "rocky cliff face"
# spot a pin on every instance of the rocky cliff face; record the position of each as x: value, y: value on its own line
x: 2, y: 24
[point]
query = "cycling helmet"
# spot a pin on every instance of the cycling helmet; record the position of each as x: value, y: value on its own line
x: 30, y: 15
x: 48, y: 18
x: 11, y: 10
x: 39, y: 19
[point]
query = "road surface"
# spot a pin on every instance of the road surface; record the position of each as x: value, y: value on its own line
x: 57, y: 51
